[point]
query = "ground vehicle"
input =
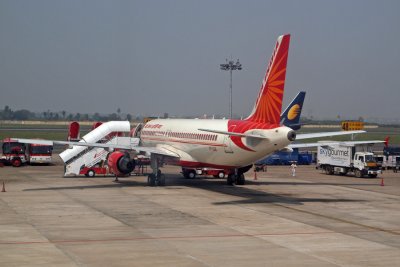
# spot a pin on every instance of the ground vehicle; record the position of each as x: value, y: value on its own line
x: 388, y: 162
x: 343, y: 159
x: 381, y: 161
x: 93, y: 171
x: 393, y: 162
x: 286, y: 158
x: 14, y: 153
x: 39, y: 154
x: 192, y: 173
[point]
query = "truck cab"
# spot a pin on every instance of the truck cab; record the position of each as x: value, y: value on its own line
x: 14, y: 153
x: 364, y: 163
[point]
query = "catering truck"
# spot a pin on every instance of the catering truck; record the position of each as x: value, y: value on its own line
x: 342, y: 159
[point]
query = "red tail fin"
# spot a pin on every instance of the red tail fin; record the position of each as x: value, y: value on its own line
x: 386, y: 141
x: 269, y: 102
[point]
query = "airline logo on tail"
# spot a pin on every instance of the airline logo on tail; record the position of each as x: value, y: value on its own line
x: 294, y: 112
x: 269, y: 102
x: 291, y: 116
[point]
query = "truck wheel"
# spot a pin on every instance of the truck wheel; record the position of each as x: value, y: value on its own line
x: 91, y: 173
x: 191, y: 174
x: 328, y: 170
x: 221, y: 175
x: 358, y: 173
x: 16, y: 162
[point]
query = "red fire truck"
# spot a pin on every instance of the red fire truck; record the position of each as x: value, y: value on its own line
x: 14, y: 153
x: 17, y: 154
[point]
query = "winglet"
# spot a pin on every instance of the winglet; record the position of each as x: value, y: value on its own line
x: 268, y: 106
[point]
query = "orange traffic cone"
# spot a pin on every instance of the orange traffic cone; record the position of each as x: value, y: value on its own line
x: 382, y: 183
x: 4, y: 187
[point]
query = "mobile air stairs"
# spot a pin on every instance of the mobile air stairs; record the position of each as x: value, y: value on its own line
x: 78, y: 157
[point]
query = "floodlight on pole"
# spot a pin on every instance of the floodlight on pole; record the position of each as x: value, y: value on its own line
x: 231, y: 66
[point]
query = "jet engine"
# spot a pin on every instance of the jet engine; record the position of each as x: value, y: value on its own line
x: 120, y: 163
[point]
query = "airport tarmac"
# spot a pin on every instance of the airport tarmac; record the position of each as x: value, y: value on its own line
x: 277, y: 220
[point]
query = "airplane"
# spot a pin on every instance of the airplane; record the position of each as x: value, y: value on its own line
x: 290, y: 117
x: 232, y: 145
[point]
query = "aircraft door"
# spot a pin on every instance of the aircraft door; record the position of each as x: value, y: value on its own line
x: 136, y: 132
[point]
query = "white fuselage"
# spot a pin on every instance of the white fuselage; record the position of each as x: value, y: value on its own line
x: 200, y: 149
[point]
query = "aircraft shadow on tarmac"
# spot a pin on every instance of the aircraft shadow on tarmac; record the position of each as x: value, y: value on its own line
x: 112, y: 184
x: 251, y: 195
x: 248, y: 195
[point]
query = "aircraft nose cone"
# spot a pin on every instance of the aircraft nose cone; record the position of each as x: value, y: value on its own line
x: 291, y: 135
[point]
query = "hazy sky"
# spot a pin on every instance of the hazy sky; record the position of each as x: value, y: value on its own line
x: 151, y: 57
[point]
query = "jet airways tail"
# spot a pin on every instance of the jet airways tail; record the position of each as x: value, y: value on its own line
x: 269, y: 101
x: 291, y: 116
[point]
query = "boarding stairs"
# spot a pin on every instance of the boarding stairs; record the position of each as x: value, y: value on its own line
x: 95, y: 155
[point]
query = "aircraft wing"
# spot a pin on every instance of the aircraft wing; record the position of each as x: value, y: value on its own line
x: 332, y: 143
x: 154, y: 150
x: 325, y: 134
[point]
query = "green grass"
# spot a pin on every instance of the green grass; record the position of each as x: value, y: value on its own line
x: 49, y: 135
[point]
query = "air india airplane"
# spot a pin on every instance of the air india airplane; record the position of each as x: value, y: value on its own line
x: 231, y: 145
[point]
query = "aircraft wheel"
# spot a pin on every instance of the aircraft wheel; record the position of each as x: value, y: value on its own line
x: 231, y: 179
x: 161, y: 180
x: 151, y: 180
x: 240, y: 180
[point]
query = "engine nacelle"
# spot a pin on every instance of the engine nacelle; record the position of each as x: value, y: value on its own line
x: 120, y: 163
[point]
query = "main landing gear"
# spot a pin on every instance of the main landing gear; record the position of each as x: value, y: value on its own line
x: 156, y: 178
x: 236, y: 178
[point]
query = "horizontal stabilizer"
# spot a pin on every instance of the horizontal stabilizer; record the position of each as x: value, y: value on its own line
x: 333, y: 143
x: 325, y: 134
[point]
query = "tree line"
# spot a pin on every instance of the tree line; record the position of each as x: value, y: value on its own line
x: 23, y: 114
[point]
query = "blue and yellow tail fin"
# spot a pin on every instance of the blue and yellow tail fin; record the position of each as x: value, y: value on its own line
x: 291, y: 116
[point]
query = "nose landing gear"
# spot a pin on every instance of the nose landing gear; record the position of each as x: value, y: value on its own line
x: 156, y: 178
